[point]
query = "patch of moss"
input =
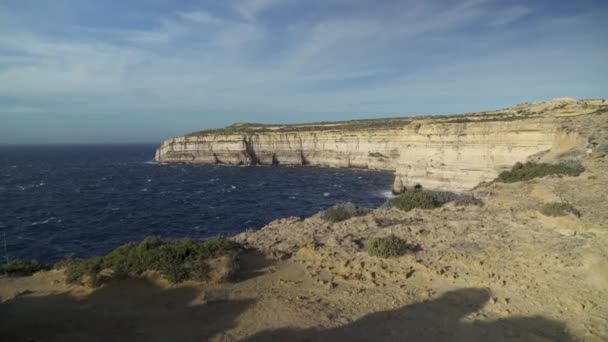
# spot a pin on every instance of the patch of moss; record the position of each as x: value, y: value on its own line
x: 177, y: 260
x: 523, y: 172
x: 559, y: 209
x: 20, y: 267
x: 390, y: 246
x: 343, y: 211
x: 414, y: 199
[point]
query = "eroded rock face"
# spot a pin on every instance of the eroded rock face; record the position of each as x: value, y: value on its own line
x: 451, y: 153
x: 459, y: 156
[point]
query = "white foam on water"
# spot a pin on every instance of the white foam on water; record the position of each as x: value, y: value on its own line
x: 387, y: 194
x: 326, y: 194
x: 39, y: 223
x: 29, y: 186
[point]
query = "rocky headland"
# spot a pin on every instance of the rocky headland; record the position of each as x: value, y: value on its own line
x: 454, y: 152
x: 515, y: 256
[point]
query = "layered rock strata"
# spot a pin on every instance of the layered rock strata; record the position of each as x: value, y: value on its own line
x: 446, y: 152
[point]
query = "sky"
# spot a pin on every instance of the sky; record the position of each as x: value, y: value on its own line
x: 115, y: 71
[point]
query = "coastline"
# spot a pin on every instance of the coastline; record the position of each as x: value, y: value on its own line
x: 523, y: 258
x: 451, y: 153
x: 482, y: 271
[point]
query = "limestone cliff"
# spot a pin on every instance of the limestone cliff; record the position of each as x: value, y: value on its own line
x: 441, y: 152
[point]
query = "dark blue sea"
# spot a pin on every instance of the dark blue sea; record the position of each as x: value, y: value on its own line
x: 85, y: 200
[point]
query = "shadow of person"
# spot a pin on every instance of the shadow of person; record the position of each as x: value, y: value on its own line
x: 125, y: 310
x: 436, y: 320
x: 252, y: 263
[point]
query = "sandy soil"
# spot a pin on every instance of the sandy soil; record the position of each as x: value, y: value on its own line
x: 500, y: 272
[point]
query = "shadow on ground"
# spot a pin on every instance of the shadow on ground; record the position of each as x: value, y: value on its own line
x: 129, y: 310
x: 138, y: 310
x: 252, y: 263
x: 435, y: 320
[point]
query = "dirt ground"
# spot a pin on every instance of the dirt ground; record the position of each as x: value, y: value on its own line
x: 499, y: 272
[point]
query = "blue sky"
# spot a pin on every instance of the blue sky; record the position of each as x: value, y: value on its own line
x: 77, y: 71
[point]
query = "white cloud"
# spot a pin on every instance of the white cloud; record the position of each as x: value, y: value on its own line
x: 165, y: 33
x: 509, y: 15
x: 201, y: 17
x: 196, y: 61
x: 249, y: 9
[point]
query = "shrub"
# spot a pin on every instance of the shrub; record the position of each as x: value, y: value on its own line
x: 523, y: 172
x: 75, y: 269
x: 390, y: 246
x: 414, y: 199
x: 343, y: 211
x: 602, y: 148
x: 572, y: 153
x: 572, y: 164
x: 467, y: 200
x: 443, y: 197
x: 19, y: 267
x: 559, y: 209
x: 177, y: 260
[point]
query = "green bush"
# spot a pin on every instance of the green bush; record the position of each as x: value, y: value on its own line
x: 574, y: 165
x: 19, y: 267
x: 523, y: 172
x: 390, y: 246
x: 343, y: 211
x: 414, y: 199
x: 443, y: 197
x: 559, y: 209
x: 177, y: 260
x: 602, y: 148
x: 468, y: 200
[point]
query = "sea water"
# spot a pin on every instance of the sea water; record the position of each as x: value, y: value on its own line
x: 85, y: 200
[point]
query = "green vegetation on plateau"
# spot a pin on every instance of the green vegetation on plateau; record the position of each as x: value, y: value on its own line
x: 389, y: 247
x: 414, y: 199
x: 559, y: 209
x: 523, y: 172
x: 177, y: 260
x: 19, y: 267
x: 343, y: 211
x: 352, y: 125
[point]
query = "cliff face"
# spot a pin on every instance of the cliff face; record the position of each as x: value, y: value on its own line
x: 450, y: 153
x: 378, y: 150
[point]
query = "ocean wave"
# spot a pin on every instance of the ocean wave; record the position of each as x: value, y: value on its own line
x: 31, y: 186
x: 50, y: 219
x: 103, y: 199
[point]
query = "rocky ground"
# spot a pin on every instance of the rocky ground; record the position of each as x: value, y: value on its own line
x: 498, y: 272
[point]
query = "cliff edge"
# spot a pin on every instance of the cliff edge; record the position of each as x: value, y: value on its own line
x: 454, y: 152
